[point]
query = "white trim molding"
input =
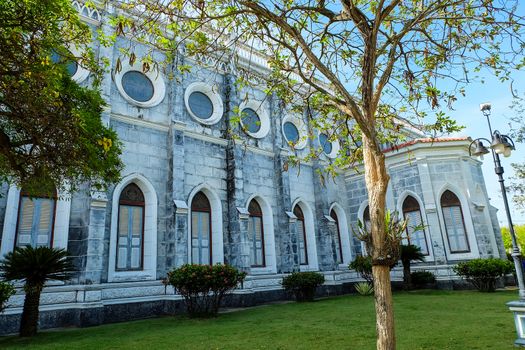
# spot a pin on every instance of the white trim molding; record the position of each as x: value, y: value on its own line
x: 467, y: 218
x: 309, y: 226
x: 61, y: 220
x: 343, y: 233
x: 217, y: 240
x: 155, y: 76
x: 269, y: 236
x: 211, y: 92
x: 423, y: 212
x: 335, y: 146
x: 149, y: 270
x: 301, y: 128
x: 264, y: 117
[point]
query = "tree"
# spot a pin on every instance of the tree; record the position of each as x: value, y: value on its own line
x: 519, y: 230
x: 362, y: 69
x: 51, y: 133
x: 517, y: 185
x: 408, y: 254
x: 35, y: 266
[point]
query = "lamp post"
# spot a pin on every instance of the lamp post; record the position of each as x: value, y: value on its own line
x: 502, y: 144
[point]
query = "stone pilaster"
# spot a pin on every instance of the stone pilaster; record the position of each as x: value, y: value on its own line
x: 181, y: 234
x: 431, y: 208
x: 326, y: 254
x: 94, y: 242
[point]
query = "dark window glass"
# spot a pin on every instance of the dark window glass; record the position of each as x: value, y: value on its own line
x: 137, y: 86
x: 71, y: 65
x: 454, y: 223
x: 339, y: 247
x: 301, y: 236
x: 201, y: 252
x: 200, y: 105
x: 415, y: 232
x: 325, y: 143
x: 290, y: 132
x: 36, y: 218
x: 251, y: 120
x: 130, y: 238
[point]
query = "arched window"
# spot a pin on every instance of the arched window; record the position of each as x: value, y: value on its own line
x: 366, y: 219
x: 36, y: 219
x: 339, y: 247
x: 415, y: 230
x: 454, y: 223
x: 130, y: 238
x: 201, y: 252
x: 301, y: 235
x: 256, y: 235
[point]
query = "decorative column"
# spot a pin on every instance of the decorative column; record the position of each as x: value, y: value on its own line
x: 238, y: 247
x: 326, y: 229
x: 431, y: 208
x: 182, y: 254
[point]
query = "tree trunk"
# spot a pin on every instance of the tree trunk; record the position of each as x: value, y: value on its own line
x: 376, y: 179
x: 29, y: 322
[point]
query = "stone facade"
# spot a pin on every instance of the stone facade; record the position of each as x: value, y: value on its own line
x: 171, y: 156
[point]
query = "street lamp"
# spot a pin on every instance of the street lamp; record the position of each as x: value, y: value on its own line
x: 502, y: 144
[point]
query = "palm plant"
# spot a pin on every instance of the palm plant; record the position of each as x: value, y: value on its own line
x: 409, y: 253
x: 35, y: 266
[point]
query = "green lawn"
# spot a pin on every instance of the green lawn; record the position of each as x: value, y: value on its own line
x: 424, y: 320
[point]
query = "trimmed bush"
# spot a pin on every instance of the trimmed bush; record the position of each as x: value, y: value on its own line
x: 363, y: 266
x: 303, y: 284
x: 6, y: 290
x: 364, y: 288
x: 204, y: 286
x: 483, y: 273
x: 422, y: 278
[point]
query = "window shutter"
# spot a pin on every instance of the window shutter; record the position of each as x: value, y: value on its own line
x: 25, y: 222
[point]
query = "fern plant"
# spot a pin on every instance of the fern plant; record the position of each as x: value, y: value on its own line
x: 364, y: 288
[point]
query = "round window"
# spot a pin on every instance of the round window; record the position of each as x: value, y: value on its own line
x: 200, y: 105
x: 71, y: 65
x: 291, y: 132
x: 250, y: 120
x: 325, y: 144
x: 137, y: 86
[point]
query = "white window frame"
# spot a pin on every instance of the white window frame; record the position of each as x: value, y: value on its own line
x: 149, y: 263
x: 212, y: 94
x: 309, y: 227
x: 269, y: 237
x: 259, y: 108
x: 344, y: 234
x: 217, y: 242
x: 159, y: 87
x: 422, y: 211
x: 301, y: 128
x: 467, y: 220
x: 61, y: 222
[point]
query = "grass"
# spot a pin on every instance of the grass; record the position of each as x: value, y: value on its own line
x: 424, y: 320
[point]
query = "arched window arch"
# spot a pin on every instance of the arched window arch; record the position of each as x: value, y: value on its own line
x: 454, y: 223
x: 339, y: 247
x: 256, y: 235
x: 366, y: 218
x: 36, y: 220
x: 415, y: 231
x: 130, y: 237
x: 201, y: 238
x: 301, y: 235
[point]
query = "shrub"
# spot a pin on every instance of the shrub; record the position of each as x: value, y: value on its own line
x: 303, y: 284
x: 421, y: 278
x: 204, y: 286
x: 6, y: 290
x: 364, y: 288
x: 363, y: 266
x: 482, y: 273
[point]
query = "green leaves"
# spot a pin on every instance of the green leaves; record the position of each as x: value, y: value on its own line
x: 51, y: 130
x: 35, y: 266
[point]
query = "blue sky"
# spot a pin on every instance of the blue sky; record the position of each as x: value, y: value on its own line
x: 467, y: 113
